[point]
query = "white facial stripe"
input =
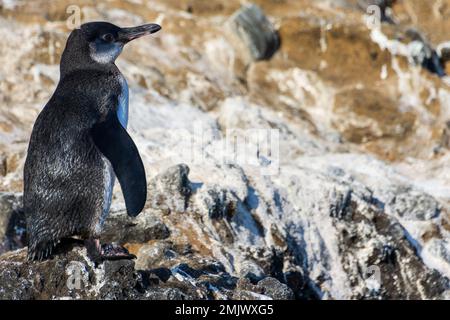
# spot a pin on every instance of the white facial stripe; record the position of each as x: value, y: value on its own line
x: 104, y: 52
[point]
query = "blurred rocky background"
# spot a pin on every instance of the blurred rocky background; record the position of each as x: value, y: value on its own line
x: 359, y: 207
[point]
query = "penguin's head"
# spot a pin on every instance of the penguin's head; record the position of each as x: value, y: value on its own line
x: 106, y: 40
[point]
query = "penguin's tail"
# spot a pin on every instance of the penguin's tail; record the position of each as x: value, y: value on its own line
x: 38, y: 251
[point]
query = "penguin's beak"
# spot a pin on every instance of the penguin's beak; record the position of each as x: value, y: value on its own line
x: 128, y: 34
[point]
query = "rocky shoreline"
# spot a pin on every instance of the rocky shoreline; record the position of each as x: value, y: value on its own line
x: 173, y: 261
x: 351, y: 202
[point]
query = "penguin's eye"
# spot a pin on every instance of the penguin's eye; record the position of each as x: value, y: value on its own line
x: 108, y: 37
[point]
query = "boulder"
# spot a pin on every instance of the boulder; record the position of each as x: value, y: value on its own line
x: 255, y: 31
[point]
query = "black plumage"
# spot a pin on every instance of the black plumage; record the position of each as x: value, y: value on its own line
x: 78, y: 144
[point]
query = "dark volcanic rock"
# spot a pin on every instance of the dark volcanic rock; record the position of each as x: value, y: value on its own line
x: 70, y: 274
x: 267, y: 288
x: 67, y: 276
x: 275, y: 289
x: 257, y: 33
x: 12, y: 222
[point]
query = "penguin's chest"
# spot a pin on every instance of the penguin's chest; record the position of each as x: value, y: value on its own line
x: 122, y: 107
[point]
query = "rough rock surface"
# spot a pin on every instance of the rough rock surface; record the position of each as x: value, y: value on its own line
x: 351, y: 201
x: 255, y: 31
x: 72, y: 275
x: 12, y: 222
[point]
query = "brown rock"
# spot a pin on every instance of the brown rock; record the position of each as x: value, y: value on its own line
x: 366, y: 115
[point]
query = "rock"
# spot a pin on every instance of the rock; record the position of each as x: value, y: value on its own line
x: 7, y: 202
x: 12, y: 222
x: 121, y: 228
x: 265, y: 289
x: 153, y: 255
x: 68, y: 276
x: 255, y: 31
x: 3, y: 167
x: 414, y: 205
x: 429, y: 19
x: 170, y: 190
x: 422, y: 54
x: 362, y: 116
x: 220, y: 203
x: 296, y: 281
x: 71, y: 275
x: 443, y: 50
x: 251, y: 271
x: 275, y: 289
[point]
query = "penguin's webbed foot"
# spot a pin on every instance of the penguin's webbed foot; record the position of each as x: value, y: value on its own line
x: 99, y: 253
x: 115, y: 252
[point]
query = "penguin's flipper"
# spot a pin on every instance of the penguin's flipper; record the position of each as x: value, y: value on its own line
x: 117, y: 146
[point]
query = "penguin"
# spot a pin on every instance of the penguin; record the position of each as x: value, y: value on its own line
x: 79, y: 145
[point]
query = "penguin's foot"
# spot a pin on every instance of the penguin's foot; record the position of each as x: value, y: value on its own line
x: 99, y: 253
x: 115, y: 252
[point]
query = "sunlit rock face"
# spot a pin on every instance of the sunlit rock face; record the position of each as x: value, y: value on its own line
x: 355, y: 203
